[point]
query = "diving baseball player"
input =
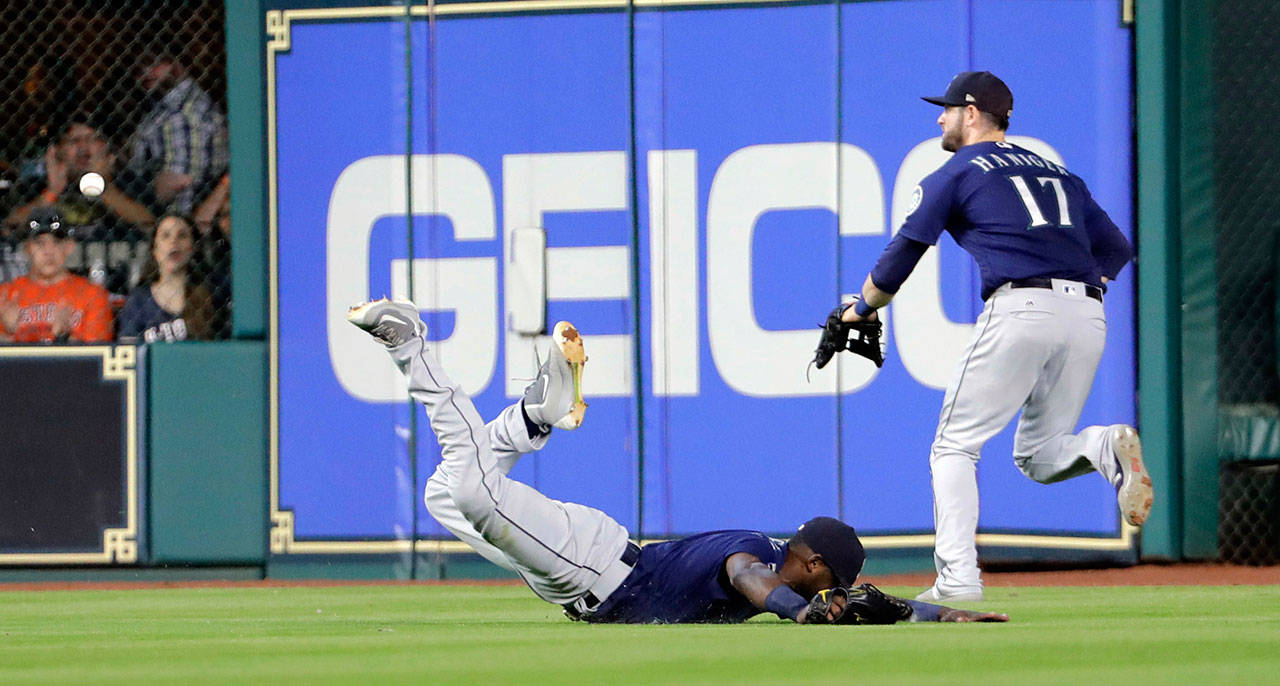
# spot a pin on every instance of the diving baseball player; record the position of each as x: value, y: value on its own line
x: 580, y: 558
x: 1045, y: 250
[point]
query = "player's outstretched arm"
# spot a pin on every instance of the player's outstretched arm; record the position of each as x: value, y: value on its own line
x: 951, y: 614
x: 866, y: 604
x: 763, y: 587
x: 928, y: 612
x: 896, y: 263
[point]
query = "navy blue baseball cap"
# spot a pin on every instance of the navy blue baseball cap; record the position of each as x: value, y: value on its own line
x: 838, y: 545
x: 982, y: 89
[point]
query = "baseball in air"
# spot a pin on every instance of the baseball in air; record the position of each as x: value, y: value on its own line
x: 92, y: 183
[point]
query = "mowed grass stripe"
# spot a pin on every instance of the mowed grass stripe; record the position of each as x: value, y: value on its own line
x: 503, y: 635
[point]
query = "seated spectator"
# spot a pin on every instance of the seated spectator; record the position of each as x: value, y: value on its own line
x: 50, y: 304
x: 111, y: 228
x: 169, y: 304
x: 79, y: 149
x: 180, y: 147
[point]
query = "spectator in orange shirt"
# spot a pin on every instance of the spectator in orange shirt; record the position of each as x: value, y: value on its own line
x: 50, y: 304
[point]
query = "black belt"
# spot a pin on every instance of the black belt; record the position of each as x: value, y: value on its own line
x: 1091, y: 291
x: 630, y: 555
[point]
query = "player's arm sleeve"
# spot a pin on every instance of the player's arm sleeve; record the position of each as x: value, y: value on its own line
x: 928, y: 612
x: 932, y: 201
x: 924, y: 612
x: 95, y: 322
x: 897, y: 262
x: 1109, y: 246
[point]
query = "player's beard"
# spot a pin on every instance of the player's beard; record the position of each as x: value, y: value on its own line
x: 952, y: 137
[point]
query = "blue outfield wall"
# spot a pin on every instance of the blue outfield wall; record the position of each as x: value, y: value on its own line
x: 709, y: 182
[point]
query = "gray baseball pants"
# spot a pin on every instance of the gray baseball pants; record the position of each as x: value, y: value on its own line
x: 561, y: 550
x: 1034, y: 350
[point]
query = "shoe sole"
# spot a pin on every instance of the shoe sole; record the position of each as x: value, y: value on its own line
x: 1136, y: 494
x: 569, y: 341
x: 356, y: 313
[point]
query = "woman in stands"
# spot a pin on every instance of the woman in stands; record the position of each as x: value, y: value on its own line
x: 169, y: 302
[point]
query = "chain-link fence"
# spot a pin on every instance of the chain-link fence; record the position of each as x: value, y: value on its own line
x: 1246, y: 65
x: 127, y: 97
x: 1249, y: 513
x: 1246, y: 61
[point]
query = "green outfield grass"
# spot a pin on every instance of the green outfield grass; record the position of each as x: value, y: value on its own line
x: 502, y: 635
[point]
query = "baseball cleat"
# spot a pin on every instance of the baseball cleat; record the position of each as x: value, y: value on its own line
x: 555, y: 397
x: 931, y: 595
x: 391, y: 321
x: 1133, y: 492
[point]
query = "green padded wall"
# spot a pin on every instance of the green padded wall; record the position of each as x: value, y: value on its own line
x: 1159, y: 321
x: 245, y: 70
x: 207, y: 452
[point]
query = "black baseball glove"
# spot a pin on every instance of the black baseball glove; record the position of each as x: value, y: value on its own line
x: 860, y: 338
x: 863, y: 604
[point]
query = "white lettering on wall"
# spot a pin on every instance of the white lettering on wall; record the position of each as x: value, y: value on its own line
x: 758, y: 179
x: 673, y: 272
x: 541, y: 183
x: 838, y: 177
x: 370, y: 189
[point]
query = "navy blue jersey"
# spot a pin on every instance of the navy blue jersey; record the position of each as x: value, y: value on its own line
x: 684, y: 580
x: 143, y: 318
x: 1020, y: 216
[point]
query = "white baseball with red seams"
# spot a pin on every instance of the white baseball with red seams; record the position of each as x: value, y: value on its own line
x: 92, y: 184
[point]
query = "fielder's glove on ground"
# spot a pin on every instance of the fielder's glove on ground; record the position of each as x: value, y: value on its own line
x: 860, y: 338
x: 863, y: 604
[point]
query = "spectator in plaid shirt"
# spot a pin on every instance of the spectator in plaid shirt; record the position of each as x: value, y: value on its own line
x: 181, y: 145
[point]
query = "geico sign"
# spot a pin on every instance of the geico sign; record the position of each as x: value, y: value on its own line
x: 839, y: 177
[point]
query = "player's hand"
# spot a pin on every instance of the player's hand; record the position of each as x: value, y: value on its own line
x: 838, y: 603
x: 56, y: 171
x: 951, y: 614
x: 834, y: 610
x: 850, y: 316
x: 858, y: 335
x: 825, y: 607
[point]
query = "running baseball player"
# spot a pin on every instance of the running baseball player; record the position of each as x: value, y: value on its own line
x: 1046, y: 251
x: 579, y: 557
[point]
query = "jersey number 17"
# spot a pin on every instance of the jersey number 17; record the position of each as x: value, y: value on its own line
x: 1033, y: 208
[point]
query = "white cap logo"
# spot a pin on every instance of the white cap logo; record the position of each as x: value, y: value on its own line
x: 969, y: 98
